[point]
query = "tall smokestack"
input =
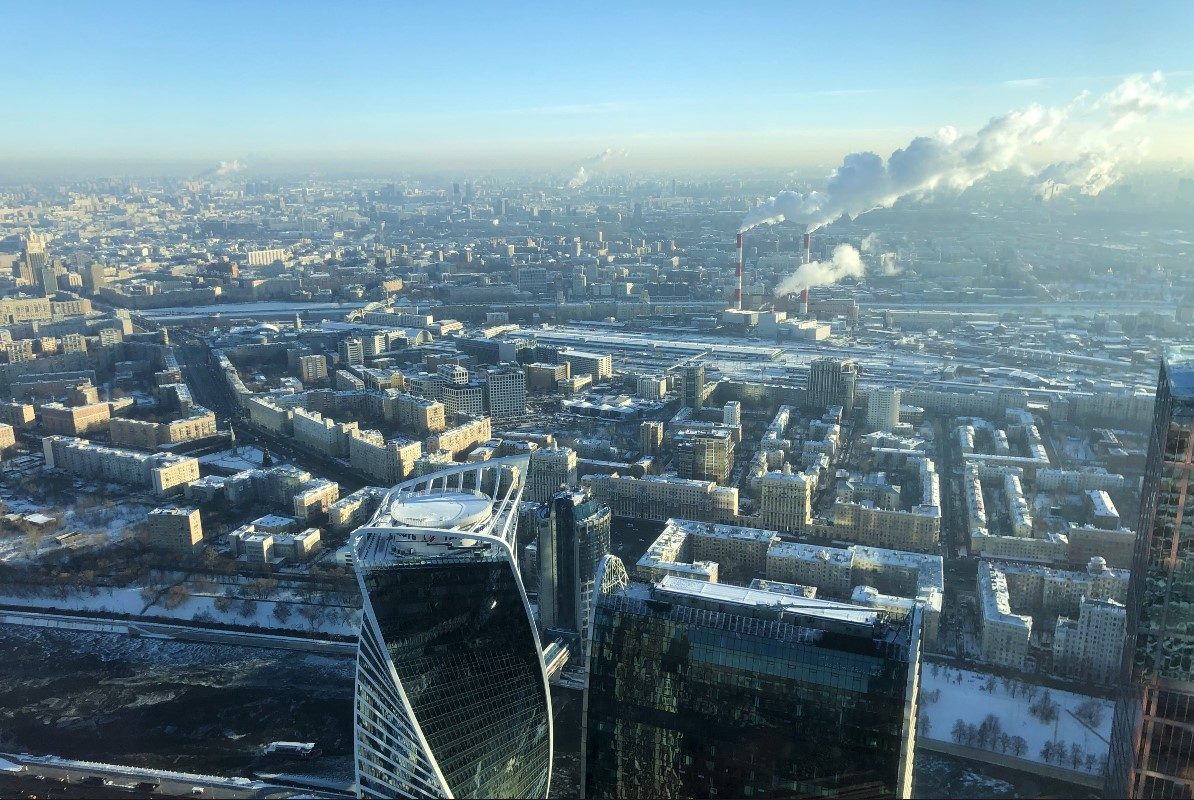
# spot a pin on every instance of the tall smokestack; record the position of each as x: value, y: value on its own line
x: 808, y: 248
x: 804, y: 300
x: 738, y: 274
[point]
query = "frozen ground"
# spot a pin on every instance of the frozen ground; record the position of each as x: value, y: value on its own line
x: 243, y: 458
x: 194, y: 607
x: 96, y: 525
x: 948, y: 694
x: 182, y: 706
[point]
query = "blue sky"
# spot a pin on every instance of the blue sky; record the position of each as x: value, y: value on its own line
x: 533, y: 83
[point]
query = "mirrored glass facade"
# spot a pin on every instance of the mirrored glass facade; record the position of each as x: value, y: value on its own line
x: 458, y: 637
x: 573, y: 537
x: 689, y: 701
x: 1152, y: 753
x: 452, y: 697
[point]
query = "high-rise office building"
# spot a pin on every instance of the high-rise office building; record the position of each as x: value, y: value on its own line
x: 313, y: 368
x: 49, y: 280
x: 451, y: 694
x: 94, y: 277
x: 1152, y: 749
x: 352, y: 351
x: 573, y: 536
x: 883, y: 409
x: 506, y: 391
x: 831, y: 382
x: 731, y: 413
x: 700, y: 689
x: 693, y: 386
x: 650, y: 437
x: 550, y: 469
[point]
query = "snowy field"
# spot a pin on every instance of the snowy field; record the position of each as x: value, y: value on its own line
x: 253, y: 613
x: 95, y: 525
x: 1015, y: 719
x: 242, y: 458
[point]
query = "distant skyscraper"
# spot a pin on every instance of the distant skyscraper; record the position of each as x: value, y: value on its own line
x: 883, y: 409
x: 506, y: 391
x: 1152, y: 749
x: 694, y: 386
x: 49, y: 280
x: 451, y: 695
x: 831, y: 382
x: 352, y: 351
x: 550, y: 469
x: 573, y: 537
x: 94, y: 278
x: 700, y: 689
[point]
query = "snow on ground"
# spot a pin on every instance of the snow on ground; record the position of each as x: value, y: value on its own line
x: 242, y: 459
x: 963, y: 695
x: 129, y: 601
x: 114, y: 520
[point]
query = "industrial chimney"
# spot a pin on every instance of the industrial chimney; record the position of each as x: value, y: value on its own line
x: 808, y: 248
x: 804, y: 300
x: 738, y: 274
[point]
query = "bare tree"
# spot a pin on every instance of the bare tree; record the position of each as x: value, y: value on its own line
x: 312, y: 615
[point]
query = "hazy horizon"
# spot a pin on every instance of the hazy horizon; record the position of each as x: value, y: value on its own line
x: 181, y: 87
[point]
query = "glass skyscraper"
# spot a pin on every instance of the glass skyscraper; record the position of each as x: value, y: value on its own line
x: 451, y: 695
x: 1152, y: 750
x: 573, y: 537
x: 701, y: 689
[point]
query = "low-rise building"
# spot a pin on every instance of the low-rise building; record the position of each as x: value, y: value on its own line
x: 8, y: 438
x: 1005, y: 635
x: 57, y: 418
x: 661, y: 498
x: 1089, y: 648
x: 175, y: 528
x: 463, y: 437
x: 876, y: 577
x: 162, y: 472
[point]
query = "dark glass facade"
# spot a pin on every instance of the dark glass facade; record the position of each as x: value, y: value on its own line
x: 692, y: 702
x: 573, y: 536
x: 459, y: 636
x: 1152, y: 753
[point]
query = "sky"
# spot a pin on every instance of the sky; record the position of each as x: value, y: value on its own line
x: 522, y: 84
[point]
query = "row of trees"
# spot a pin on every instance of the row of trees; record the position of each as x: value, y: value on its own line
x: 1056, y: 752
x: 989, y: 735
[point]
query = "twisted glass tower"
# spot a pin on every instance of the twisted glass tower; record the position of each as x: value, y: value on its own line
x: 451, y: 693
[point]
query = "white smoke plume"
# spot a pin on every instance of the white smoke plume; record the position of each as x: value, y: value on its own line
x: 223, y: 169
x: 953, y: 161
x: 583, y: 175
x: 1090, y: 174
x: 845, y: 263
x: 869, y: 242
x: 1138, y: 96
x: 888, y: 265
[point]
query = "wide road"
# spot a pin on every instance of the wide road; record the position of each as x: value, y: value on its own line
x: 117, y: 780
x: 205, y: 380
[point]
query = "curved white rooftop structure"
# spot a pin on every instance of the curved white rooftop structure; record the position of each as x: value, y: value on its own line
x: 443, y: 508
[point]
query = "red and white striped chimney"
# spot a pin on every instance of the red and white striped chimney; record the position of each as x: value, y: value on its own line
x: 738, y: 274
x: 804, y: 301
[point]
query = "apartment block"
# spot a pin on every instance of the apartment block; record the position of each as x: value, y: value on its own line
x: 162, y: 472
x: 175, y: 528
